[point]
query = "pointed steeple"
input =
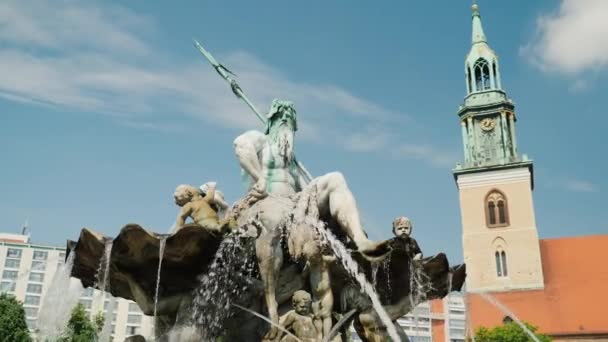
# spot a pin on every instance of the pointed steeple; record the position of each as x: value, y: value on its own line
x: 478, y: 35
x: 481, y: 65
x: 487, y: 114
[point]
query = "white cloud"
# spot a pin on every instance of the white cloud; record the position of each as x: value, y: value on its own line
x: 430, y: 154
x: 580, y: 186
x: 94, y: 57
x: 572, y: 40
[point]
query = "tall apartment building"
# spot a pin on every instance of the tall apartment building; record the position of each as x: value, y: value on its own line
x: 435, y: 321
x: 27, y: 271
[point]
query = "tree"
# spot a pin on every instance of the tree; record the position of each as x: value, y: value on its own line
x: 81, y: 328
x: 12, y: 320
x: 509, y: 332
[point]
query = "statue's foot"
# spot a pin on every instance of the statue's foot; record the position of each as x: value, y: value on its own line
x: 374, y: 251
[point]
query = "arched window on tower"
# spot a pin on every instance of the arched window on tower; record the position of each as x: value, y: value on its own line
x: 500, y: 247
x: 497, y: 213
x: 469, y: 83
x: 498, y: 264
x: 495, y: 74
x: 482, y: 75
x: 503, y: 261
x: 491, y: 213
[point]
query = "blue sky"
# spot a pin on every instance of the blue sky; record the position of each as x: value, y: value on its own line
x: 105, y: 108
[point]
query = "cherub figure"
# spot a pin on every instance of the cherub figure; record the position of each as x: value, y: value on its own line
x: 197, y: 207
x: 320, y: 284
x: 402, y: 228
x: 299, y: 321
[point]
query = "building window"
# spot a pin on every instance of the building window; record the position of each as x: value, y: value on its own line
x: 40, y: 255
x: 32, y: 300
x: 497, y: 214
x: 7, y: 286
x: 491, y: 213
x: 37, y: 277
x: 133, y: 307
x: 501, y: 263
x: 12, y: 263
x: 31, y: 323
x: 88, y: 292
x: 469, y: 84
x: 9, y: 274
x: 38, y: 265
x: 482, y: 75
x: 459, y: 332
x: 503, y: 259
x: 498, y: 266
x: 13, y: 253
x: 86, y: 303
x: 457, y: 323
x: 31, y: 312
x: 132, y: 330
x: 34, y: 288
x: 134, y: 319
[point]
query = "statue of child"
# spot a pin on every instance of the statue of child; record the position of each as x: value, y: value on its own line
x: 402, y: 228
x: 299, y: 321
x: 198, y: 208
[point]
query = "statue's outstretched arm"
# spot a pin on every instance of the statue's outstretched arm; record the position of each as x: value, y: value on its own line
x: 183, y: 215
x: 247, y: 147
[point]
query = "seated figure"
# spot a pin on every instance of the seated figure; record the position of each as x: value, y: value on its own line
x: 402, y: 228
x: 198, y: 208
x: 299, y: 321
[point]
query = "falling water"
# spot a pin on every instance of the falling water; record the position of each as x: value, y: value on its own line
x: 103, y: 272
x: 161, y: 252
x: 269, y: 321
x: 375, y: 267
x: 306, y: 214
x: 492, y: 300
x: 353, y: 269
x: 58, y: 302
x: 106, y: 331
x: 227, y: 280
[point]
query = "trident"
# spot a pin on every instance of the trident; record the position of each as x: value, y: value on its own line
x: 236, y: 89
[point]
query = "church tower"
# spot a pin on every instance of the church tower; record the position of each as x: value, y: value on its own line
x: 499, y: 236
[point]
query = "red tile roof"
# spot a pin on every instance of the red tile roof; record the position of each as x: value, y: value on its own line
x: 575, y: 298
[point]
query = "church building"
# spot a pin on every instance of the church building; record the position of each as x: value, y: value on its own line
x: 557, y: 284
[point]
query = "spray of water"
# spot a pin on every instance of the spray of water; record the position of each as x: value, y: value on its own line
x: 307, y: 214
x: 59, y: 300
x: 103, y: 272
x: 103, y: 278
x: 228, y: 279
x: 268, y: 320
x: 334, y: 330
x: 161, y: 252
x: 492, y: 300
x: 106, y: 331
x: 375, y: 267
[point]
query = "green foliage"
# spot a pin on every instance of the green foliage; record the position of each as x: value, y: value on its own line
x: 81, y: 328
x: 99, y: 320
x: 509, y: 332
x: 12, y: 320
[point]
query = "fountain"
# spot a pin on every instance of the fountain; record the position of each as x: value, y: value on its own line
x: 291, y: 237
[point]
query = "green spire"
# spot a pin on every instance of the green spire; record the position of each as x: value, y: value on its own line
x: 478, y: 35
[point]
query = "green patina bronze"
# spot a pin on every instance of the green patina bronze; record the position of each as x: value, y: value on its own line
x: 487, y: 115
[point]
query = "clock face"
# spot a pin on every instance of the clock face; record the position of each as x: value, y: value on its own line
x: 487, y: 124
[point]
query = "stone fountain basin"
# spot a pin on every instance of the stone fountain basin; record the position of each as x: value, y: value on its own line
x: 134, y: 263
